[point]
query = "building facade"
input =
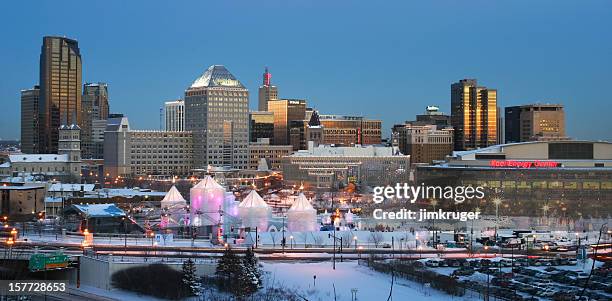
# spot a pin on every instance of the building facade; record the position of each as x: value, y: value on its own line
x: 535, y: 122
x: 286, y: 111
x: 63, y: 166
x: 132, y: 153
x: 433, y: 115
x: 174, y: 115
x: 325, y: 166
x: 94, y: 107
x: 60, y: 89
x: 473, y: 115
x: 97, y: 138
x: 22, y: 202
x: 350, y: 130
x: 217, y: 112
x: 424, y: 143
x: 261, y: 125
x: 267, y: 92
x: 30, y: 120
x: 273, y: 154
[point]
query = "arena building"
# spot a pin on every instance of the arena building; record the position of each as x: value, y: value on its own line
x: 563, y: 179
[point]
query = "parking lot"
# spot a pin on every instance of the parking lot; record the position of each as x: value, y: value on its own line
x: 523, y: 278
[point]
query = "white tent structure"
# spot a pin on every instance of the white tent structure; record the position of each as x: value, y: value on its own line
x: 349, y: 217
x: 206, y: 201
x: 173, y: 198
x: 173, y: 208
x: 254, y: 212
x: 302, y: 217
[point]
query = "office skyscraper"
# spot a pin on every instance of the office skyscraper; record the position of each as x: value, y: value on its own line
x: 29, y: 120
x: 174, y: 115
x: 267, y: 92
x: 285, y: 112
x: 217, y: 112
x: 60, y: 89
x: 261, y: 125
x: 94, y: 107
x: 473, y: 115
x: 535, y: 122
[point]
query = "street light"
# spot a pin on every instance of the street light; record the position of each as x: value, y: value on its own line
x: 291, y: 239
x: 497, y: 201
x: 10, y: 242
x: 355, y: 240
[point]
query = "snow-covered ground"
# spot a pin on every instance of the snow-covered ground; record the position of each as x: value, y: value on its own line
x: 370, y: 285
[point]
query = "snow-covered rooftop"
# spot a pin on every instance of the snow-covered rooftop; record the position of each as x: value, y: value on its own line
x: 38, y: 158
x: 61, y: 187
x: 100, y: 210
x: 124, y: 192
x: 346, y: 151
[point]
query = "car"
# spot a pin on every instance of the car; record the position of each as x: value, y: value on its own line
x: 463, y: 272
x: 434, y: 263
x: 452, y: 263
x: 506, y: 262
x: 386, y: 246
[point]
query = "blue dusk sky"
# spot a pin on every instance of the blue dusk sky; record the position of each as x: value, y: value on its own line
x: 381, y: 59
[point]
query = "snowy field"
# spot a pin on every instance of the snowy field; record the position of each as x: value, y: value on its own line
x: 370, y: 285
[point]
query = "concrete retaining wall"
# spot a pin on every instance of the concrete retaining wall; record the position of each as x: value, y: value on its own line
x: 98, y: 272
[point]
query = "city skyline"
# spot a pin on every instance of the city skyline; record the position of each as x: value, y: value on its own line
x: 534, y: 70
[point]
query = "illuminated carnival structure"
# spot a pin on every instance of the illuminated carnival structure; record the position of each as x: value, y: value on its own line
x: 254, y: 212
x: 173, y: 209
x: 302, y: 217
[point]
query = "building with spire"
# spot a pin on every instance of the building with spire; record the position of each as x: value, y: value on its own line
x: 217, y: 113
x: 267, y: 91
x: 64, y: 166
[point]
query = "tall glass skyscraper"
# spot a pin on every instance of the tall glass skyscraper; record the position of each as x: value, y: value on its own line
x: 473, y: 115
x: 217, y: 112
x: 60, y: 89
x: 29, y: 120
x: 94, y: 107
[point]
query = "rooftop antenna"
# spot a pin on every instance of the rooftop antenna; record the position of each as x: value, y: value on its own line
x: 267, y: 77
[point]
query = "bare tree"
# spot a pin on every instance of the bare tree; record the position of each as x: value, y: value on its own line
x: 347, y: 239
x: 304, y: 237
x: 317, y: 239
x: 375, y: 238
x: 273, y: 237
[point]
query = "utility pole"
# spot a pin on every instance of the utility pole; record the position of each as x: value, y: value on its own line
x: 333, y: 236
x: 283, y: 241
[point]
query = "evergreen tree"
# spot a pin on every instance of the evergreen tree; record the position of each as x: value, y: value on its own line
x: 252, y: 264
x: 228, y: 268
x: 190, y: 279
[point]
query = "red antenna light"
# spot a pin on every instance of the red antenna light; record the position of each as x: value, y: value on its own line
x: 267, y: 78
